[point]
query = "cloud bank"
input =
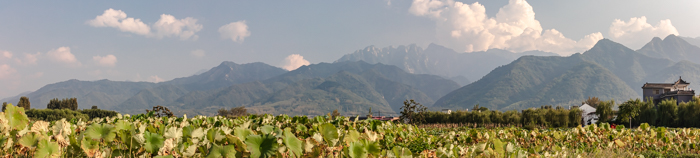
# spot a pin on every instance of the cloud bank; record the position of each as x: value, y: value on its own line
x: 294, y: 61
x: 236, y: 31
x: 636, y: 32
x: 513, y: 28
x: 166, y: 26
x: 106, y: 61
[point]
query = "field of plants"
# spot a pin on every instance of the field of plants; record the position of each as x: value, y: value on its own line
x: 146, y: 135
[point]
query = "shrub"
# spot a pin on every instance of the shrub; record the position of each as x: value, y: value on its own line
x: 98, y: 113
x: 55, y: 114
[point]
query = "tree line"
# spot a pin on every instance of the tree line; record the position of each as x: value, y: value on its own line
x: 546, y: 116
x: 57, y: 109
x: 668, y: 113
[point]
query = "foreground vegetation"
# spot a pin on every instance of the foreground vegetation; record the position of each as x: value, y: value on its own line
x: 146, y: 135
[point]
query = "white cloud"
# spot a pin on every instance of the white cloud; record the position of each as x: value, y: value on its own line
x: 636, y: 32
x: 294, y: 61
x: 29, y: 59
x: 513, y: 28
x: 63, y: 55
x: 6, y: 71
x: 107, y: 61
x: 168, y: 26
x: 118, y: 19
x: 198, y: 53
x: 155, y: 79
x: 5, y: 55
x: 236, y: 31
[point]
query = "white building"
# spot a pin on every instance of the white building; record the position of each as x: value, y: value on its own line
x: 588, y: 114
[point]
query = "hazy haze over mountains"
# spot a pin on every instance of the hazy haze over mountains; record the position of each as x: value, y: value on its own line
x: 439, y: 60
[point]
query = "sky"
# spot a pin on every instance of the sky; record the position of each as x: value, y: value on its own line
x: 44, y: 42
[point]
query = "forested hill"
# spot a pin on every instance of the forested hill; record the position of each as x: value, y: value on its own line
x: 608, y: 70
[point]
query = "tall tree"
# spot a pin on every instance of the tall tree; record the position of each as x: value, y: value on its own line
x: 629, y: 110
x: 604, y: 110
x: 667, y: 112
x: 24, y: 103
x: 647, y: 112
x: 4, y: 105
x: 592, y: 101
x: 412, y: 112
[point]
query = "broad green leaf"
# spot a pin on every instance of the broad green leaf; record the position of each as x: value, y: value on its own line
x: 240, y: 146
x: 358, y: 150
x: 401, y: 152
x: 47, y: 149
x: 16, y: 117
x: 293, y: 143
x: 90, y: 147
x: 217, y: 151
x: 122, y: 125
x: 153, y: 142
x: 352, y: 136
x: 30, y: 140
x: 329, y: 133
x: 104, y: 132
x: 498, y: 147
x: 261, y: 146
x: 267, y: 129
x: 242, y: 132
x: 215, y: 135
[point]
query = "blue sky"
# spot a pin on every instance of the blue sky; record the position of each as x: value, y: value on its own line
x: 52, y: 41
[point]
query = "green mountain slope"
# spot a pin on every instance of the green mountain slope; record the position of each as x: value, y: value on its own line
x: 535, y: 81
x: 104, y: 94
x: 350, y: 87
x: 630, y: 66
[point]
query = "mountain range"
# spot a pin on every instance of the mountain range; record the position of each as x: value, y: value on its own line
x: 438, y: 60
x: 382, y: 78
x: 608, y: 70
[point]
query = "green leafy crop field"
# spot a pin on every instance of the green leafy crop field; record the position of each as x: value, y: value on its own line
x: 145, y: 135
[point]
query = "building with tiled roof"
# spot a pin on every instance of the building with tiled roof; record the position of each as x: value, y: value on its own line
x: 661, y: 91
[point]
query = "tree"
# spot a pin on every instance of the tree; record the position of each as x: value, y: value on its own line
x: 604, y: 110
x: 629, y: 110
x: 575, y: 117
x: 67, y: 103
x: 160, y: 111
x: 369, y: 114
x: 94, y: 107
x: 24, y: 103
x: 234, y: 112
x: 4, y: 105
x: 335, y: 114
x: 667, y: 112
x: 412, y: 112
x: 592, y: 101
x: 647, y: 112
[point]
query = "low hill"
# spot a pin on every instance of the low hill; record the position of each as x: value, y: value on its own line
x: 104, y: 94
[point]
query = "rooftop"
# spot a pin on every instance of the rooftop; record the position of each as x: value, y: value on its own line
x: 665, y: 85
